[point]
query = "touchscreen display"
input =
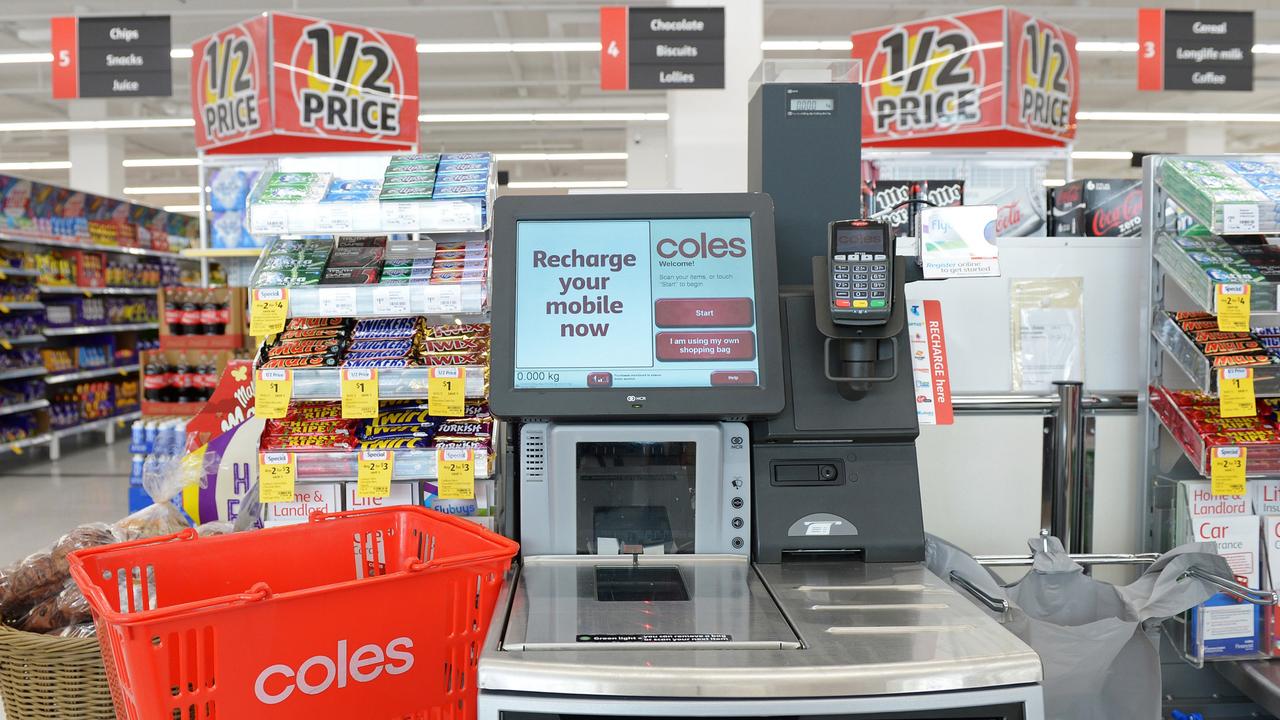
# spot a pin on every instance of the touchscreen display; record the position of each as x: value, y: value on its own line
x: 635, y: 304
x: 860, y: 240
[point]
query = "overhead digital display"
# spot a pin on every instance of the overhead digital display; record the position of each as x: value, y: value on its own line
x: 635, y: 304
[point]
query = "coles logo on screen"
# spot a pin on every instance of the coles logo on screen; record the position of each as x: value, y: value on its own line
x: 347, y: 81
x: 227, y: 84
x: 699, y: 248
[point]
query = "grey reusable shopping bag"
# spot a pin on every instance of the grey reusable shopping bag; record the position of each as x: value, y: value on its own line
x: 1098, y: 642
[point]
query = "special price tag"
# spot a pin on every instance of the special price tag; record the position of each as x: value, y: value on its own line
x: 268, y: 311
x: 1233, y: 307
x: 1235, y: 393
x: 446, y: 392
x: 373, y: 473
x: 277, y: 474
x: 456, y: 473
x: 1226, y: 473
x: 272, y: 392
x: 359, y: 392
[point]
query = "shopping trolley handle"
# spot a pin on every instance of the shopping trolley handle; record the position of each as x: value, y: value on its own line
x: 993, y: 603
x: 1246, y: 593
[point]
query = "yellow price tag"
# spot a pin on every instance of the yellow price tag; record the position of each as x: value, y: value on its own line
x: 277, y: 473
x: 6, y: 345
x: 373, y: 473
x: 446, y: 392
x: 268, y: 311
x: 1233, y: 307
x: 272, y: 392
x: 456, y: 473
x: 359, y: 393
x: 1235, y: 393
x: 1226, y: 473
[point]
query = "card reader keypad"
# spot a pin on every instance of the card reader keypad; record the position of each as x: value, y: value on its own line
x: 862, y: 279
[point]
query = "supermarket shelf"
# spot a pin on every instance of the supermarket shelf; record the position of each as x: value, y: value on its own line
x: 214, y: 253
x: 462, y: 302
x: 95, y: 425
x: 90, y: 374
x: 23, y: 407
x: 1257, y: 679
x: 22, y: 373
x: 1262, y: 459
x: 418, y: 464
x: 97, y: 329
x: 18, y: 446
x: 83, y: 245
x: 17, y: 272
x: 393, y: 383
x: 5, y: 307
x: 1178, y: 265
x: 22, y: 340
x: 86, y: 290
x: 1266, y: 379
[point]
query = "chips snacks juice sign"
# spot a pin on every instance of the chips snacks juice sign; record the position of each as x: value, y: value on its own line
x: 988, y: 78
x: 284, y: 83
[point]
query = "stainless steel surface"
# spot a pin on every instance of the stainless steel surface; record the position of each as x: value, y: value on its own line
x: 1014, y: 404
x: 556, y: 604
x: 865, y: 629
x: 1081, y: 558
x: 1064, y: 466
x: 993, y: 603
x: 1249, y: 595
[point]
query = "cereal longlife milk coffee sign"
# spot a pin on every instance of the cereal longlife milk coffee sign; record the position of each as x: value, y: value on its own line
x: 283, y: 83
x: 990, y: 78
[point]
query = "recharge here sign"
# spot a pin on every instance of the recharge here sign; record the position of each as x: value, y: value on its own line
x: 988, y: 78
x: 635, y: 303
x: 285, y: 83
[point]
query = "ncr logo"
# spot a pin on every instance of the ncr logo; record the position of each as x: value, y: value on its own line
x: 320, y: 673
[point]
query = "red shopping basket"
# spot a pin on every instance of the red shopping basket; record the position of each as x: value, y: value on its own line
x: 373, y: 614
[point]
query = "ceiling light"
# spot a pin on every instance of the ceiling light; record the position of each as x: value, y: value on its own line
x: 181, y: 53
x: 803, y: 45
x: 37, y: 165
x: 565, y: 184
x: 185, y: 208
x: 138, y: 124
x: 1138, y: 116
x: 544, y: 117
x: 1101, y: 155
x: 161, y: 162
x: 1054, y: 182
x: 163, y: 190
x: 1263, y: 49
x: 522, y: 157
x: 1106, y: 46
x: 27, y: 57
x: 427, y: 48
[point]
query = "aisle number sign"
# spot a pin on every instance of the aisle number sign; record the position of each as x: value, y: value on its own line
x: 268, y: 311
x: 1233, y: 307
x: 456, y: 473
x: 446, y: 394
x: 107, y: 57
x: 1195, y: 50
x: 661, y: 48
x: 277, y: 476
x: 1235, y: 393
x: 359, y: 393
x: 274, y: 389
x: 1227, y: 473
x: 373, y: 473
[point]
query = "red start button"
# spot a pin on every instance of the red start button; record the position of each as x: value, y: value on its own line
x: 734, y: 377
x: 703, y: 312
x: 599, y: 379
x: 712, y: 345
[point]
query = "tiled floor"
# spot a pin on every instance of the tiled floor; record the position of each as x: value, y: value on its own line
x: 40, y: 500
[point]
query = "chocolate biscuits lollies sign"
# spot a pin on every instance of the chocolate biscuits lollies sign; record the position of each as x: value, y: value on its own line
x: 661, y: 48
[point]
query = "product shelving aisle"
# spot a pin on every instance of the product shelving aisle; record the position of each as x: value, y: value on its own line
x: 1203, y: 218
x: 420, y: 238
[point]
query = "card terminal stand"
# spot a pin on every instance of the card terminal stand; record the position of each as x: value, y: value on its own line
x: 751, y: 548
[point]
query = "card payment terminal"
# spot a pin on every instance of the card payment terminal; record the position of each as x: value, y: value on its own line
x: 861, y: 259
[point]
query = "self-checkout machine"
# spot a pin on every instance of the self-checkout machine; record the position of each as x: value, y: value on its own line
x: 717, y: 493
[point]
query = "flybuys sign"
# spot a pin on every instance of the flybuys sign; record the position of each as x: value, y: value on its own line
x: 988, y: 78
x: 284, y: 83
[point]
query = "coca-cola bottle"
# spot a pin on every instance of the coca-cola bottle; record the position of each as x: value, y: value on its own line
x: 173, y: 311
x: 210, y: 315
x: 183, y: 382
x: 208, y: 377
x: 190, y: 314
x: 154, y: 380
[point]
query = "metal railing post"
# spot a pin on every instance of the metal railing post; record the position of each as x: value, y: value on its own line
x: 1062, y: 490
